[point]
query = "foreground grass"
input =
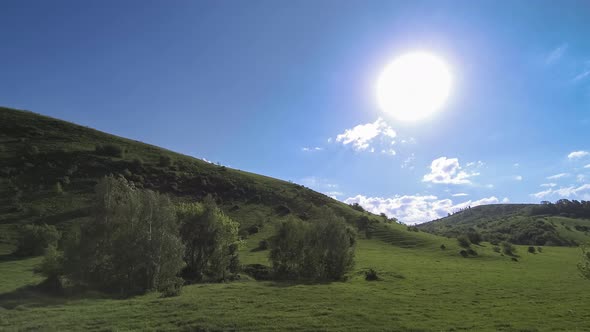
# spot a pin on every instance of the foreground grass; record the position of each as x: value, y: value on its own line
x: 422, y: 289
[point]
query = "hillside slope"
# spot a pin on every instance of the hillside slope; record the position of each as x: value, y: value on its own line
x: 514, y: 223
x: 49, y: 168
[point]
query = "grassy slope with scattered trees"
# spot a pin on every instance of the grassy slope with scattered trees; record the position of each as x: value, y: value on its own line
x: 402, y: 279
x: 516, y: 223
x: 50, y: 167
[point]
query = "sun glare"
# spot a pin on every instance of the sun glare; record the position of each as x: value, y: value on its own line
x: 413, y: 86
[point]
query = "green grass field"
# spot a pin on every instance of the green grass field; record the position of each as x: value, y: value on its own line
x: 423, y: 289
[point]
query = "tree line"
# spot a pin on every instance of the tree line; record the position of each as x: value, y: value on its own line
x: 137, y: 240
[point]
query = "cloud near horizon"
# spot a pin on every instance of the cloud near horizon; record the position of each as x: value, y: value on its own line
x: 448, y: 171
x: 413, y: 209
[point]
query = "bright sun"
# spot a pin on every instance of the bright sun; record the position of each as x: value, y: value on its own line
x: 413, y: 86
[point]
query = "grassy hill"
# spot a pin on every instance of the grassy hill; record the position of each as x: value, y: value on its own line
x: 422, y: 286
x: 49, y: 168
x: 514, y: 223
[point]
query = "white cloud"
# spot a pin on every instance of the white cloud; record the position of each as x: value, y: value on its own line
x: 556, y: 54
x: 363, y: 135
x: 311, y: 149
x: 582, y: 75
x: 587, y: 166
x: 516, y: 165
x: 448, y: 171
x: 390, y: 152
x: 581, y: 178
x: 577, y: 154
x: 460, y: 195
x: 412, y: 209
x: 550, y: 185
x: 557, y: 176
x: 505, y: 200
x: 518, y: 177
x: 476, y: 164
x: 563, y: 191
x: 409, y: 162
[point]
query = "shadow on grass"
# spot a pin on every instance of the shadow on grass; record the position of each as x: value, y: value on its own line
x: 10, y: 257
x: 45, y: 295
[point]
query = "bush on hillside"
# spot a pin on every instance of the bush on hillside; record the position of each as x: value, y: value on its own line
x: 371, y: 275
x: 319, y: 250
x: 165, y: 161
x: 109, y: 150
x: 463, y: 241
x: 34, y: 239
x: 443, y: 247
x: 474, y: 237
x: 508, y: 248
x: 531, y: 250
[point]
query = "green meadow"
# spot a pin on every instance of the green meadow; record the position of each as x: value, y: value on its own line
x: 422, y: 288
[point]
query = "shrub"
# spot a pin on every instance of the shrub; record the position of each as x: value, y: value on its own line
x: 51, y: 267
x: 464, y: 253
x: 171, y: 287
x: 496, y: 249
x: 253, y: 229
x: 508, y: 248
x: 371, y: 275
x: 320, y: 250
x: 34, y: 239
x: 165, y: 161
x: 109, y: 150
x: 357, y: 206
x: 539, y: 249
x: 474, y: 237
x: 514, y: 259
x: 531, y: 250
x: 463, y: 241
x: 471, y: 252
x: 137, y: 163
x: 263, y: 245
x: 412, y: 229
x: 443, y: 247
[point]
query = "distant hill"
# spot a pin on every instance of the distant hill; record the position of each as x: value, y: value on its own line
x: 48, y: 169
x: 516, y: 223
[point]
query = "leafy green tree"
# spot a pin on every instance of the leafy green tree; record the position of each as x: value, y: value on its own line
x: 130, y: 245
x: 322, y: 249
x: 211, y: 241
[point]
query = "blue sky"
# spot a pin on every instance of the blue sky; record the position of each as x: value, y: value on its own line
x: 286, y: 89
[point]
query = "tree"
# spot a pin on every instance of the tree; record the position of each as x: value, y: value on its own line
x: 35, y: 239
x: 508, y: 248
x: 51, y: 267
x: 463, y: 241
x: 130, y: 245
x: 584, y: 264
x: 211, y: 241
x: 322, y: 249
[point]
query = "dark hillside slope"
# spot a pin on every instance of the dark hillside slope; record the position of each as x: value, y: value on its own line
x: 516, y: 223
x: 48, y: 169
